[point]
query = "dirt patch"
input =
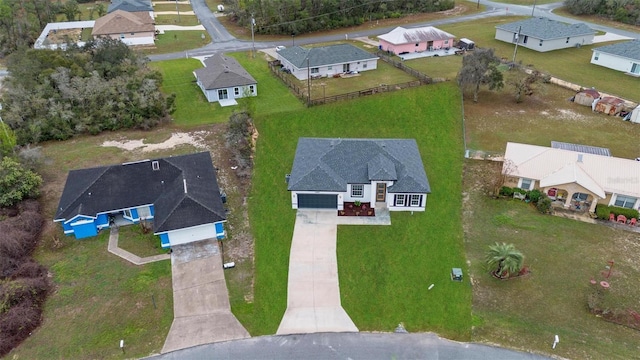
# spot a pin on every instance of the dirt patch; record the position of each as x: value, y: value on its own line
x: 62, y: 35
x: 195, y: 138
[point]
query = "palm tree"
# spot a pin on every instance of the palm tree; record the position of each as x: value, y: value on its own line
x: 506, y: 258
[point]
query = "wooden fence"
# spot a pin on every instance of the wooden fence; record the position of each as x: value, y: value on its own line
x: 301, y: 92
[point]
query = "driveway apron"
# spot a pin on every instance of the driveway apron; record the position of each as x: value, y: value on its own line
x: 313, y: 293
x: 202, y: 313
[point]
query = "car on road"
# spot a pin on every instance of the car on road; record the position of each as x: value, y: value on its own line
x: 280, y: 47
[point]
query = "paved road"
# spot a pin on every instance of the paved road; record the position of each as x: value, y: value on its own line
x: 225, y: 42
x: 327, y: 346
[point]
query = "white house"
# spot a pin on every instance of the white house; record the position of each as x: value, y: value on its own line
x: 132, y: 28
x: 327, y: 172
x: 326, y: 60
x: 428, y: 38
x: 223, y: 80
x: 543, y: 34
x: 584, y: 175
x: 621, y: 56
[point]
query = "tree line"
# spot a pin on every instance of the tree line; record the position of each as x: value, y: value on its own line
x: 21, y: 22
x: 625, y: 11
x: 104, y: 85
x: 304, y: 16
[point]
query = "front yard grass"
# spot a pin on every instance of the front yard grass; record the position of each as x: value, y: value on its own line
x: 571, y: 64
x: 563, y: 255
x: 132, y: 239
x: 384, y: 271
x: 176, y: 41
x: 99, y: 299
x: 192, y: 107
x: 182, y: 20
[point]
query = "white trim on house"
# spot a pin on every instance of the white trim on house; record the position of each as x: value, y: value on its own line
x: 615, y: 198
x: 521, y: 183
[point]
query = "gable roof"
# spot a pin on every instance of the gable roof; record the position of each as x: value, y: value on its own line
x: 121, y: 22
x: 401, y: 35
x: 330, y: 164
x: 625, y: 49
x: 324, y: 55
x: 597, y: 173
x: 183, y: 190
x: 130, y: 5
x: 221, y: 72
x: 546, y: 29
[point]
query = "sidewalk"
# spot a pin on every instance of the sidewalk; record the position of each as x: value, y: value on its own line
x: 134, y: 259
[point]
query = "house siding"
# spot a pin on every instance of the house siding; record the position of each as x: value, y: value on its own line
x: 415, y: 47
x: 614, y: 62
x: 366, y: 194
x: 394, y: 205
x: 330, y: 69
x: 533, y: 43
x: 85, y: 230
x: 140, y: 38
x: 212, y: 94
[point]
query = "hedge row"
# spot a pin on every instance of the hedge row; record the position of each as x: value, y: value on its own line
x: 603, y: 211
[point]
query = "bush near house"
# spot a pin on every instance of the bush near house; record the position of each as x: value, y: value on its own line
x: 603, y: 211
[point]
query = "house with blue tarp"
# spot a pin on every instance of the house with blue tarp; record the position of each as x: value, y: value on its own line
x: 179, y: 195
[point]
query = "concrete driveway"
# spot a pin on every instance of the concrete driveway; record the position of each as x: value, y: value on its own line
x: 201, y: 309
x: 313, y: 292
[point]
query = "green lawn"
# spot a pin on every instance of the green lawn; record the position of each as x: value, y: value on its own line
x: 172, y: 7
x: 571, y: 64
x: 175, y: 41
x: 397, y: 263
x: 134, y: 241
x: 180, y: 20
x: 98, y: 300
x: 563, y: 256
x: 192, y: 107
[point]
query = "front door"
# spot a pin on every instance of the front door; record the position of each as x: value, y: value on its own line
x: 381, y: 191
x: 345, y: 68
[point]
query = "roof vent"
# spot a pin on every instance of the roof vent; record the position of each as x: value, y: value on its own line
x: 155, y: 165
x: 579, y: 158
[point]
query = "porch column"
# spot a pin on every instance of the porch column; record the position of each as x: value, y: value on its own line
x: 594, y: 203
x: 567, y: 201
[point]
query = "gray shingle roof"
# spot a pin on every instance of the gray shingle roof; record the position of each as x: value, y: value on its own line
x: 130, y: 5
x: 324, y: 55
x: 626, y: 49
x: 330, y: 164
x: 222, y: 72
x: 546, y: 29
x: 110, y: 188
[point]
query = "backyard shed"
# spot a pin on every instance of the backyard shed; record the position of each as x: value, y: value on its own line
x: 466, y: 44
x: 635, y: 115
x: 586, y: 97
x: 609, y: 105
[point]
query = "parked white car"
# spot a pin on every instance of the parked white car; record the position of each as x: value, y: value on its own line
x: 280, y: 47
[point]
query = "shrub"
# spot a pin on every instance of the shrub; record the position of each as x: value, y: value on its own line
x: 603, y: 211
x: 534, y: 195
x: 544, y: 204
x: 506, y: 191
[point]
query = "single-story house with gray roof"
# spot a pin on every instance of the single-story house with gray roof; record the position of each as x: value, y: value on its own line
x: 622, y: 56
x: 223, y: 80
x: 326, y: 61
x: 543, y: 34
x: 131, y: 6
x: 327, y: 172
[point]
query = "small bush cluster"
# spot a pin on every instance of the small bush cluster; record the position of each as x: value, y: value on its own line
x: 603, y: 211
x: 240, y: 141
x: 24, y: 284
x: 540, y: 200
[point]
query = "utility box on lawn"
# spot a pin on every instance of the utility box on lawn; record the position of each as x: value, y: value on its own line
x: 456, y: 274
